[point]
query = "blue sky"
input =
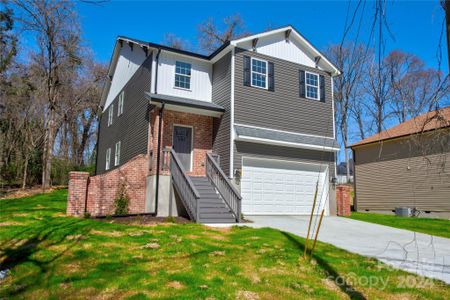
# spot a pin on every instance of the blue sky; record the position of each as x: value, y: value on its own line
x: 416, y: 26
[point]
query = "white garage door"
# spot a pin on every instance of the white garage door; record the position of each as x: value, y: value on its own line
x: 270, y: 187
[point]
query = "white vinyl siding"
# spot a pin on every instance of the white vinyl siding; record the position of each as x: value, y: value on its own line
x: 110, y: 114
x: 200, y: 82
x: 121, y: 99
x: 312, y: 86
x: 259, y: 73
x: 183, y: 75
x: 108, y: 159
x: 117, y: 154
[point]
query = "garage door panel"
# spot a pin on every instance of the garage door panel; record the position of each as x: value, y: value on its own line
x: 280, y: 187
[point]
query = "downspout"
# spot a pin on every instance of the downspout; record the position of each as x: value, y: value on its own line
x: 158, y: 155
x: 355, y: 202
x: 158, y: 158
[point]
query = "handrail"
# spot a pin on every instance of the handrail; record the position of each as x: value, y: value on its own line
x: 226, y: 189
x: 185, y: 187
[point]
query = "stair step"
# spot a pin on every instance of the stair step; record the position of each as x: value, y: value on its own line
x: 211, y: 210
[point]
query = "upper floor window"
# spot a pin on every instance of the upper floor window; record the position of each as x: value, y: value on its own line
x: 108, y: 159
x: 121, y: 99
x: 312, y: 85
x: 110, y: 114
x: 259, y: 73
x: 183, y: 75
x: 117, y: 154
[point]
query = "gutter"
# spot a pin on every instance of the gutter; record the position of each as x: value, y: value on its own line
x: 158, y: 157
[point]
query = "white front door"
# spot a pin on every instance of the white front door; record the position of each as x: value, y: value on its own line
x: 271, y: 187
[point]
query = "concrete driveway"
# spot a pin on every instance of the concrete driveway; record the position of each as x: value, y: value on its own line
x: 413, y: 252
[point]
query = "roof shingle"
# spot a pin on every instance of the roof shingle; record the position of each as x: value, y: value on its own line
x: 428, y: 121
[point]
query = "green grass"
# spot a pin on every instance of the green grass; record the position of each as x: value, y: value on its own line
x: 53, y: 256
x: 437, y: 227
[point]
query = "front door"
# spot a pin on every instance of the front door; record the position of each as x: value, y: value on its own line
x: 182, y: 144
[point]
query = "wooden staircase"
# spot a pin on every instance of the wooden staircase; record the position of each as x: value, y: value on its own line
x: 213, y: 208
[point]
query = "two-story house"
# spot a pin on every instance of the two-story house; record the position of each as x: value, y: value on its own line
x: 248, y: 129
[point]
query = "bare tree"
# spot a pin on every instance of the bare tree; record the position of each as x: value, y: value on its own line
x: 171, y: 40
x: 349, y: 59
x: 211, y: 36
x: 55, y: 26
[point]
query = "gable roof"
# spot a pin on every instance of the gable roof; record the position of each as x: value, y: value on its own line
x: 224, y: 48
x: 428, y: 121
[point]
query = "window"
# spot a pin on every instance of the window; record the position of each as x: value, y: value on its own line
x: 117, y: 154
x: 312, y: 85
x: 183, y: 75
x: 259, y: 73
x: 110, y: 114
x: 121, y: 98
x: 108, y: 158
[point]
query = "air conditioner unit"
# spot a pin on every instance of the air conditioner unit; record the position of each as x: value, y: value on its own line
x: 404, y: 211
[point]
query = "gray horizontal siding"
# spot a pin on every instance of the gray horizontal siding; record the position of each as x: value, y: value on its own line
x: 409, y: 172
x: 282, y: 109
x: 282, y: 153
x: 130, y: 128
x: 221, y: 95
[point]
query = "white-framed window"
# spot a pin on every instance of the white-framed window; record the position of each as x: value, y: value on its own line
x: 259, y: 73
x: 117, y: 154
x: 312, y: 85
x: 108, y: 159
x: 110, y: 114
x: 121, y: 99
x: 183, y: 75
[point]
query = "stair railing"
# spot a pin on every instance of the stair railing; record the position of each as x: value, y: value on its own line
x: 185, y: 187
x: 229, y: 193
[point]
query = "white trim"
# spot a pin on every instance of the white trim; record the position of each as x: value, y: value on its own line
x: 120, y: 103
x: 232, y: 115
x: 117, y: 157
x: 110, y: 114
x: 277, y: 130
x: 318, y: 86
x: 296, y: 34
x: 108, y: 159
x: 153, y: 74
x: 192, y: 142
x: 332, y: 105
x: 184, y: 75
x: 244, y: 138
x: 267, y: 73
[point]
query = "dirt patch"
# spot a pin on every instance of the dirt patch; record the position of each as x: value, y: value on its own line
x: 107, y: 233
x: 175, y: 285
x: 10, y: 223
x: 145, y: 220
x: 19, y: 193
x: 151, y: 246
x: 247, y: 295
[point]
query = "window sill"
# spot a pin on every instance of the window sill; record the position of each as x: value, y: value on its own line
x: 182, y: 89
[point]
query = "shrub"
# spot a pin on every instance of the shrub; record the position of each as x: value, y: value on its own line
x: 121, y: 202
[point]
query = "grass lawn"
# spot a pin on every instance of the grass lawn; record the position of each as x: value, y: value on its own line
x: 50, y: 255
x: 438, y: 227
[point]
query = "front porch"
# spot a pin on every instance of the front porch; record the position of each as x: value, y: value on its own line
x: 184, y: 177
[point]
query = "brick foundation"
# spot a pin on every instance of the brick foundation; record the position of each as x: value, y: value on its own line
x: 343, y: 200
x: 101, y: 190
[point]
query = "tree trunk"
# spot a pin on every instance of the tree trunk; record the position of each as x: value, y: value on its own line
x: 25, y: 170
x: 49, y: 140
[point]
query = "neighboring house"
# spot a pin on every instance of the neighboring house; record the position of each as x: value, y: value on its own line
x: 405, y: 166
x: 251, y: 128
